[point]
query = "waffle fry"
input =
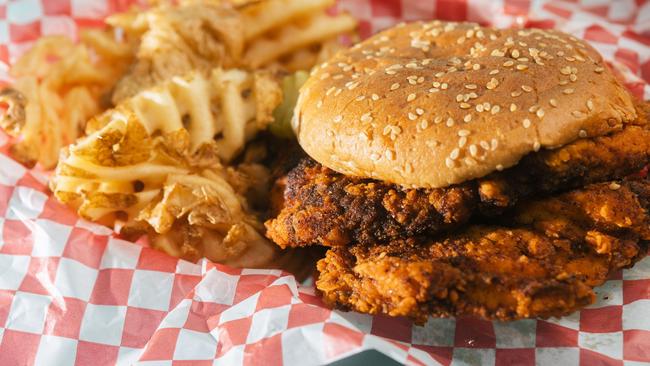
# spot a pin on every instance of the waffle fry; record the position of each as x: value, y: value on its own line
x: 196, y: 36
x: 262, y: 16
x: 291, y: 37
x: 151, y: 166
x: 160, y: 132
x: 54, y: 75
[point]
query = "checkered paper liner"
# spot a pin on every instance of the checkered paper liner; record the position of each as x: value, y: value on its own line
x: 72, y: 293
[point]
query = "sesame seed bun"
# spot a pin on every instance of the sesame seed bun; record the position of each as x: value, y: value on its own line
x: 434, y: 104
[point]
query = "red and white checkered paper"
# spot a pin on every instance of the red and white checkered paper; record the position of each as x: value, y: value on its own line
x: 71, y: 293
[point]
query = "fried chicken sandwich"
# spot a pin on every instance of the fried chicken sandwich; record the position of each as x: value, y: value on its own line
x: 454, y: 169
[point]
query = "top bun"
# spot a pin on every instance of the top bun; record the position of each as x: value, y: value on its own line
x: 434, y: 104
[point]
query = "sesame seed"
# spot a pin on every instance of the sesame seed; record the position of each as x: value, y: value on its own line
x: 338, y: 118
x: 479, y: 107
x: 473, y: 150
x: 513, y: 107
x: 351, y: 85
x: 564, y: 82
x: 424, y: 124
x: 515, y: 93
x: 450, y: 122
x: 325, y: 75
x: 582, y: 133
x: 598, y: 70
x: 395, y: 86
x: 459, y: 97
x: 437, y: 120
x: 330, y: 90
x: 463, y: 133
x: 389, y: 154
x: 412, y: 116
x: 469, y: 161
x: 337, y: 92
x: 526, y: 88
x: 476, y: 67
x: 421, y: 79
x: 439, y: 74
x: 436, y: 84
x: 494, y: 72
x: 444, y: 86
x: 467, y: 118
x: 540, y: 113
x: 526, y: 123
x: 494, y: 144
x: 454, y: 154
x: 568, y: 91
x: 410, y: 98
x: 495, y: 109
x: 319, y: 104
x: 614, y: 186
x: 470, y: 86
x: 419, y: 111
x: 366, y: 117
x: 462, y: 141
x: 515, y: 53
x: 499, y: 167
x: 360, y: 98
x: 590, y: 105
x: 553, y: 102
x: 493, y: 83
x: 465, y: 105
x: 508, y: 63
x: 412, y: 65
x: 485, y: 145
x: 497, y: 53
x: 522, y: 67
x: 449, y: 163
x: 536, y: 146
x: 412, y: 81
x: 375, y: 97
x: 565, y: 70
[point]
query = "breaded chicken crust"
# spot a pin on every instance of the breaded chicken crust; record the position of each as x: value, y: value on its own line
x: 324, y: 207
x: 544, y: 260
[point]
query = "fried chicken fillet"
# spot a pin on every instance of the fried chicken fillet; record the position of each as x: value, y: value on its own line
x: 543, y: 260
x: 324, y: 207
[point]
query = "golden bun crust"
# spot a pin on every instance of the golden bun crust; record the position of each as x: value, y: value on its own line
x: 434, y: 104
